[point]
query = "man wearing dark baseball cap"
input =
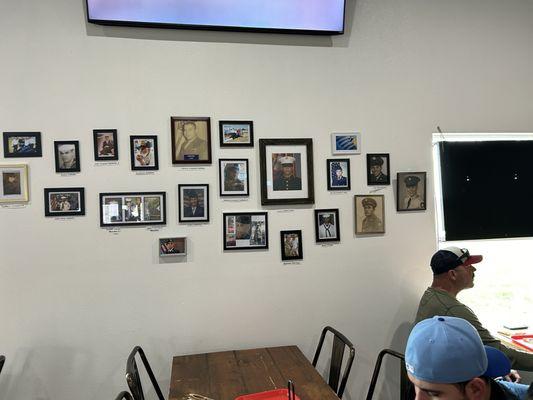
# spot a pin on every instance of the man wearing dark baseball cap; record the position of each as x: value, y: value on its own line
x: 453, y: 271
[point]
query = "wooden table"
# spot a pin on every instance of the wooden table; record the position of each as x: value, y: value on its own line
x: 228, y: 374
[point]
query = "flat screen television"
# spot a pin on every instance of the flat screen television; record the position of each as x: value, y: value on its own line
x: 284, y: 16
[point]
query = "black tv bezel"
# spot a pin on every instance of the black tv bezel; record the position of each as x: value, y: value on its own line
x: 225, y: 28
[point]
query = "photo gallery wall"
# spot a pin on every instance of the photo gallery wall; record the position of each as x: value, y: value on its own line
x: 286, y: 178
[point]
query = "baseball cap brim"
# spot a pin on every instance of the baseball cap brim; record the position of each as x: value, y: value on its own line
x: 473, y: 260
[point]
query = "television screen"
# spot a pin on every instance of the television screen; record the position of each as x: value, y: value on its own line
x: 291, y: 16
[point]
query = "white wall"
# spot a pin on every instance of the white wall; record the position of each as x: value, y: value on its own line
x: 74, y: 299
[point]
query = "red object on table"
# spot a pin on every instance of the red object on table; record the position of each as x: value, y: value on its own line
x: 279, y: 394
x: 525, y: 341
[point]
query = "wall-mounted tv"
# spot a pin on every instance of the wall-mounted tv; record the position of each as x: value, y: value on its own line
x: 284, y: 16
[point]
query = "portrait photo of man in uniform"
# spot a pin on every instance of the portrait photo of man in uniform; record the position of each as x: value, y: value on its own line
x: 286, y: 171
x: 378, y: 167
x: 338, y: 174
x: 327, y: 225
x: 411, y: 195
x: 191, y: 140
x: 369, y: 214
x: 193, y: 203
x: 67, y: 156
x: 105, y: 144
x: 11, y: 183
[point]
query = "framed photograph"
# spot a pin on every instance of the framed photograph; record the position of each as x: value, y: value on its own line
x: 143, y: 151
x: 291, y: 245
x: 173, y: 246
x: 245, y: 231
x: 105, y: 144
x: 234, y: 179
x: 369, y: 214
x: 67, y: 156
x: 286, y: 171
x: 411, y: 191
x: 193, y: 203
x: 236, y: 133
x: 377, y: 169
x: 132, y: 208
x: 338, y: 173
x: 191, y: 140
x: 327, y: 225
x: 14, y: 183
x: 346, y: 143
x: 22, y: 144
x: 64, y: 201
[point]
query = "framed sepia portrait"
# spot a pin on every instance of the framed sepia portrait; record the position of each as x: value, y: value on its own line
x: 14, y: 183
x: 173, y: 246
x: 67, y: 156
x: 234, y: 180
x: 338, y: 170
x: 346, y: 143
x: 236, y: 133
x: 144, y: 154
x: 132, y: 208
x: 286, y: 171
x: 411, y: 191
x: 291, y: 245
x: 369, y: 214
x: 22, y: 144
x: 245, y: 230
x: 378, y: 169
x: 193, y: 202
x: 64, y: 201
x: 105, y: 144
x: 191, y: 140
x: 327, y: 227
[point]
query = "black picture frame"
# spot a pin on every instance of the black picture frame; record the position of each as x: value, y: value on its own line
x: 231, y: 133
x: 275, y: 188
x: 198, y: 151
x: 198, y: 213
x: 236, y: 238
x: 327, y: 232
x: 104, y: 150
x: 375, y: 177
x: 138, y: 146
x: 231, y: 180
x: 291, y: 251
x: 142, y: 209
x: 374, y: 223
x: 32, y: 146
x: 67, y: 159
x: 407, y: 200
x: 336, y: 182
x: 65, y: 201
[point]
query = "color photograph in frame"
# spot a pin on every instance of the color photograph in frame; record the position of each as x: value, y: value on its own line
x: 291, y: 245
x: 411, y: 191
x: 22, y: 144
x: 346, y: 143
x: 338, y: 170
x: 234, y: 179
x: 132, y: 209
x: 327, y: 225
x: 105, y: 144
x: 67, y: 156
x: 61, y: 202
x: 193, y: 202
x: 286, y: 171
x: 14, y: 183
x: 144, y: 155
x: 191, y: 140
x: 173, y: 246
x: 369, y: 214
x: 378, y: 169
x: 236, y: 133
x: 245, y: 230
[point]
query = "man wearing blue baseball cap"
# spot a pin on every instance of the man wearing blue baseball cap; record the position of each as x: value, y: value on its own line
x: 445, y: 359
x: 453, y: 271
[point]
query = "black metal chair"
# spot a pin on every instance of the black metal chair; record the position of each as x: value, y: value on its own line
x: 406, y: 387
x: 337, y: 354
x: 2, y: 361
x: 133, y: 378
x: 124, y: 396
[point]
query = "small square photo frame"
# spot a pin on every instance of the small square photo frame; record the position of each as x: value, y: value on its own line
x: 191, y: 140
x: 173, y: 246
x: 291, y: 245
x: 327, y: 225
x: 105, y: 144
x: 411, y: 191
x: 236, y: 133
x: 233, y: 177
x: 132, y: 209
x: 369, y: 214
x: 245, y: 230
x: 144, y: 154
x: 67, y: 156
x: 193, y: 202
x: 378, y: 169
x: 14, y: 183
x: 22, y: 144
x: 61, y: 202
x: 338, y: 170
x: 346, y: 143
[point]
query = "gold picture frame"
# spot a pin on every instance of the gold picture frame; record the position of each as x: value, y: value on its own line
x: 14, y: 187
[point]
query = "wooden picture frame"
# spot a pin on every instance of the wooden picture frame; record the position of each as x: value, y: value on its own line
x: 411, y: 191
x: 338, y: 171
x: 67, y: 156
x: 66, y: 201
x: 105, y: 144
x: 291, y: 245
x: 132, y: 209
x: 191, y: 140
x: 327, y: 225
x: 22, y: 144
x: 236, y: 133
x: 193, y: 203
x: 14, y: 185
x: 378, y: 169
x: 144, y: 153
x: 369, y: 214
x: 245, y: 230
x: 234, y: 179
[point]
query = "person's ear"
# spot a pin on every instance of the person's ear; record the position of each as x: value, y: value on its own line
x: 452, y: 274
x: 477, y: 389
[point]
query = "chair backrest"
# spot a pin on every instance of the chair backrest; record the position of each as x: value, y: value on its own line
x: 406, y: 387
x: 337, y: 354
x: 124, y: 396
x: 133, y: 378
x: 2, y: 361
